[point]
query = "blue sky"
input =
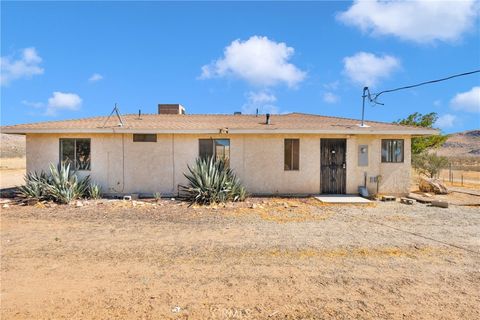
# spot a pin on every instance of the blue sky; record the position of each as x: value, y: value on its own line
x: 63, y: 60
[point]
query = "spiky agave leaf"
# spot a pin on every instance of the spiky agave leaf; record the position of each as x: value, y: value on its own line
x: 211, y: 181
x: 65, y: 186
x: 94, y: 191
x: 35, y: 185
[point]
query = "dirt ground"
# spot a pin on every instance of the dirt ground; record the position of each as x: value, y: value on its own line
x: 12, y: 171
x: 264, y: 259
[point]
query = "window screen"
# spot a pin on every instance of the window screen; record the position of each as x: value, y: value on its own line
x: 218, y: 148
x: 292, y: 154
x: 392, y: 150
x: 76, y: 152
x: 144, y: 137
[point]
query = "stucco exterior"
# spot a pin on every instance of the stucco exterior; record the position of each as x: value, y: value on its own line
x: 120, y: 165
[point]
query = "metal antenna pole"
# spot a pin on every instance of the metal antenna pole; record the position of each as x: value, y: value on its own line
x: 115, y: 110
x: 365, y: 89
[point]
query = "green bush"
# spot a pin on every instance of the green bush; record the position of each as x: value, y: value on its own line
x: 61, y: 185
x: 429, y: 164
x: 211, y: 181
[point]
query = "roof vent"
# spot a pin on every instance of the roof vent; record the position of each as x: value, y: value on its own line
x: 267, y: 120
x: 171, y: 108
x: 237, y: 113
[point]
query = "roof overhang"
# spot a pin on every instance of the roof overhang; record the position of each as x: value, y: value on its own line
x: 353, y: 131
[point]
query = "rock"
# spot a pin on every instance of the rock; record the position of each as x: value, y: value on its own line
x: 79, y: 204
x: 6, y: 205
x: 432, y: 185
x: 253, y: 206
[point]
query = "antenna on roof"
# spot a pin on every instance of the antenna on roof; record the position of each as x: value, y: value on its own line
x: 117, y: 111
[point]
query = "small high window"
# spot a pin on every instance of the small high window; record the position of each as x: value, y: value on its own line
x: 76, y: 152
x: 292, y: 154
x: 144, y: 137
x: 392, y: 150
x: 218, y: 148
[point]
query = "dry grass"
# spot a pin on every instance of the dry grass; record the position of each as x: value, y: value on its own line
x: 282, y: 259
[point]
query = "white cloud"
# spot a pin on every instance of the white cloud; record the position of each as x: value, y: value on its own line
x: 25, y: 66
x: 261, y: 97
x: 331, y: 98
x: 367, y: 69
x: 262, y: 100
x: 259, y: 61
x: 467, y: 101
x: 413, y: 20
x: 332, y: 85
x: 95, y: 77
x: 35, y: 105
x: 63, y: 101
x: 446, y: 121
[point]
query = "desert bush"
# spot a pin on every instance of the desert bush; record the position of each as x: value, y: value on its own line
x: 61, y: 185
x: 212, y: 181
x: 94, y: 191
x: 429, y: 164
x: 35, y: 186
x: 64, y: 185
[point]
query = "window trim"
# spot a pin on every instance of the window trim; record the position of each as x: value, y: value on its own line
x: 75, y: 152
x: 213, y: 150
x: 284, y: 150
x: 381, y: 151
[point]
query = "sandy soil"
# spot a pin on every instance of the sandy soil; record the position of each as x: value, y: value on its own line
x: 282, y: 259
x: 12, y: 171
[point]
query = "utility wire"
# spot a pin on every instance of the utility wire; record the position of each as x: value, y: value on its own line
x: 376, y: 95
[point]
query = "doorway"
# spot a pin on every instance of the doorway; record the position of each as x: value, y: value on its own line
x: 333, y: 167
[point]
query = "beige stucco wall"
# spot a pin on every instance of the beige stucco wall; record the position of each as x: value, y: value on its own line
x: 121, y: 166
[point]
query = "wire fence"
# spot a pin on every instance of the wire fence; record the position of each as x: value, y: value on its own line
x: 458, y: 175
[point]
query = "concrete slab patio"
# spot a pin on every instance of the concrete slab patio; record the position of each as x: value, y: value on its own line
x: 341, y: 198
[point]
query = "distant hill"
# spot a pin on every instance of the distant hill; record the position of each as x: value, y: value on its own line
x: 462, y: 144
x: 12, y: 146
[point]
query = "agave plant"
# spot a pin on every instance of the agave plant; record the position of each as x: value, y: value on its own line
x: 211, y: 181
x: 64, y: 184
x: 94, y: 191
x: 35, y: 186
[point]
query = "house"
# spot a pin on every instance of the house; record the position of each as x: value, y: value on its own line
x: 291, y: 153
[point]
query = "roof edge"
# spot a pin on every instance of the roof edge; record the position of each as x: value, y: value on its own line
x: 357, y: 131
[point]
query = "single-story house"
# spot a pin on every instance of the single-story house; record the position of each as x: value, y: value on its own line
x: 291, y: 153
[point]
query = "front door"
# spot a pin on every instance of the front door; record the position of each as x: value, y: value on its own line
x: 333, y: 166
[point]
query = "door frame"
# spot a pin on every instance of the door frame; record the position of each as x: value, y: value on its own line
x: 344, y: 169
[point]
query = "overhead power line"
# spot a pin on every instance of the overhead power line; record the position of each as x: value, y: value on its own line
x: 372, y: 97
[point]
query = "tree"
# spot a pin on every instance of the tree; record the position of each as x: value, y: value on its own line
x: 423, y: 144
x: 429, y: 164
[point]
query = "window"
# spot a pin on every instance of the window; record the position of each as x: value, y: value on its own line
x: 76, y: 152
x: 292, y: 154
x: 392, y: 150
x: 218, y: 148
x: 144, y: 137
